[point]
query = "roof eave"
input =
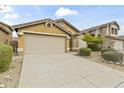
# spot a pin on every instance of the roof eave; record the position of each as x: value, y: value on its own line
x: 99, y: 26
x: 37, y: 22
x: 10, y: 28
x: 57, y: 20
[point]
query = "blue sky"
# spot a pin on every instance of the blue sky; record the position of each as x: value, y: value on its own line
x: 82, y: 17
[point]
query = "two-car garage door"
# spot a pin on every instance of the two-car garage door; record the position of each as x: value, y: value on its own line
x: 36, y: 44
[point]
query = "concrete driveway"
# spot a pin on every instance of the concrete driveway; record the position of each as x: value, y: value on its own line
x: 66, y: 71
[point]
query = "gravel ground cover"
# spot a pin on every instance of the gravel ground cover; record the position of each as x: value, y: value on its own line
x: 10, y: 78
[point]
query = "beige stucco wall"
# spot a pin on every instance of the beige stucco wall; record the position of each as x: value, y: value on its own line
x: 42, y: 28
x: 69, y: 28
x: 103, y: 31
x: 5, y: 36
x: 21, y: 41
x: 75, y: 43
x: 108, y: 43
x: 68, y: 44
x: 114, y: 43
x: 118, y: 45
x: 81, y: 42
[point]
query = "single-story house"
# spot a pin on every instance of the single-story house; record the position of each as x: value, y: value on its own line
x: 46, y: 36
x: 5, y: 33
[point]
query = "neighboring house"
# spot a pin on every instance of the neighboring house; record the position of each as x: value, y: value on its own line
x: 109, y: 33
x: 5, y: 33
x: 45, y: 36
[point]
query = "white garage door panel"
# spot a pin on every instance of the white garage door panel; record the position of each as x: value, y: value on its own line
x: 36, y: 44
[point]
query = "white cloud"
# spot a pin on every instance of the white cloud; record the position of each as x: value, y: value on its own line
x: 2, y: 7
x: 9, y: 16
x: 9, y: 22
x: 6, y: 9
x: 65, y: 11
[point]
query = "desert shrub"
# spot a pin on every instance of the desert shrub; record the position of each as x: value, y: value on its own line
x: 94, y: 46
x: 94, y: 43
x: 113, y: 56
x: 85, y: 51
x: 120, y: 57
x: 5, y: 57
x: 98, y: 40
x: 106, y: 50
x: 88, y: 38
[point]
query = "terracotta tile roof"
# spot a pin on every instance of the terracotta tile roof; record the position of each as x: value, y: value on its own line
x: 99, y: 26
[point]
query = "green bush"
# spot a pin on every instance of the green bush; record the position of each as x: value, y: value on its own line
x: 5, y: 57
x: 85, y: 51
x: 113, y: 56
x: 93, y: 42
x: 93, y: 39
x: 106, y: 50
x: 94, y: 46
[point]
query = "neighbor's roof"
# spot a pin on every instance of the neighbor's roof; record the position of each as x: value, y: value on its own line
x: 58, y: 20
x: 116, y: 38
x: 99, y: 26
x: 10, y: 28
x: 121, y: 37
x: 40, y: 21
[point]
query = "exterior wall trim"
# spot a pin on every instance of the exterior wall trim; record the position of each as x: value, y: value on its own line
x: 114, y: 38
x: 39, y: 22
x: 42, y: 33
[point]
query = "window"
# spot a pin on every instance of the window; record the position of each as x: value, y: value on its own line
x: 112, y: 30
x: 48, y: 24
x: 116, y: 32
